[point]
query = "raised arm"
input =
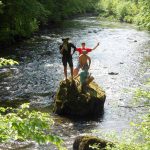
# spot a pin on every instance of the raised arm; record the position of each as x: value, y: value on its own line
x: 96, y: 46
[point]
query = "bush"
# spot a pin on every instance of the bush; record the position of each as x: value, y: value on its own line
x: 22, y: 124
x: 7, y: 62
x: 143, y: 18
x: 128, y: 10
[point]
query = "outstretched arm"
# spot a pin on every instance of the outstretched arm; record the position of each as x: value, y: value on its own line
x: 96, y: 46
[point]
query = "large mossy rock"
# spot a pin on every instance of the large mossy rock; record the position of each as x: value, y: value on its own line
x: 85, y: 143
x: 70, y: 100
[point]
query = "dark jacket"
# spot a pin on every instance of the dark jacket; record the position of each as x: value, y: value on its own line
x: 67, y: 52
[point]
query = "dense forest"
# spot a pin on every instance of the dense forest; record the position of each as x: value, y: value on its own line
x: 131, y: 11
x: 20, y: 18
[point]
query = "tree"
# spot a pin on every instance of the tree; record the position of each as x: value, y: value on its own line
x: 20, y: 18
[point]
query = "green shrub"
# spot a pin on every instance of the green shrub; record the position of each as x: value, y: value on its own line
x: 22, y: 124
x: 1, y: 5
x: 143, y: 18
x: 7, y: 62
x: 131, y: 11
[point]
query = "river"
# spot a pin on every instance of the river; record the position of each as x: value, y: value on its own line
x: 118, y: 66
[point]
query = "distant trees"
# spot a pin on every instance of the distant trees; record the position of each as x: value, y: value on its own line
x: 132, y: 11
x: 143, y: 18
x: 20, y: 18
x: 0, y: 7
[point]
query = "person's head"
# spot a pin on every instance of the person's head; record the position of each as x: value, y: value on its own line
x: 84, y: 52
x: 65, y: 40
x: 83, y: 45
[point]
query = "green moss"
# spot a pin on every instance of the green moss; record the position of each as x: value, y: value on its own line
x: 86, y: 142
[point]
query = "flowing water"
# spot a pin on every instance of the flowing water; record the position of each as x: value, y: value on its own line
x: 118, y: 66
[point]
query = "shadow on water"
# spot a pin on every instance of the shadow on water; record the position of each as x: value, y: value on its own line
x: 97, y: 118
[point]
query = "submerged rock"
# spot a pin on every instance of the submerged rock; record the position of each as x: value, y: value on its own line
x: 85, y: 143
x: 16, y: 145
x: 113, y: 73
x: 70, y: 100
x: 5, y: 72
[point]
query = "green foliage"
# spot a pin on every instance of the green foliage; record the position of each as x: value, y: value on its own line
x: 7, y: 62
x: 1, y: 5
x: 143, y: 18
x: 22, y: 124
x: 142, y: 95
x: 20, y: 18
x: 131, y: 11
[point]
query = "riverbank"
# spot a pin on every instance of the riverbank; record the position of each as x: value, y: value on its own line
x: 136, y: 12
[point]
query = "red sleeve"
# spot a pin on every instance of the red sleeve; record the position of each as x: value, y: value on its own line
x: 79, y: 50
x: 88, y: 49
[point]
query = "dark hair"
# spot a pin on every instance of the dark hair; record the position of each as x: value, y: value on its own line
x: 65, y: 39
x: 83, y: 43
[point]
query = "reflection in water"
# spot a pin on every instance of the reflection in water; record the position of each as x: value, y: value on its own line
x: 116, y: 66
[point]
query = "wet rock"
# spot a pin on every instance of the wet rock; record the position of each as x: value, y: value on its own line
x: 95, y: 31
x: 84, y: 143
x: 16, y: 145
x: 89, y: 31
x: 135, y: 40
x: 5, y: 72
x: 113, y: 73
x: 121, y: 63
x: 69, y: 99
x: 14, y: 70
x: 45, y: 37
x: 47, y: 53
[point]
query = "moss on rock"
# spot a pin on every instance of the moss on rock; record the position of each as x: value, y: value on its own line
x: 71, y: 101
x: 84, y: 143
